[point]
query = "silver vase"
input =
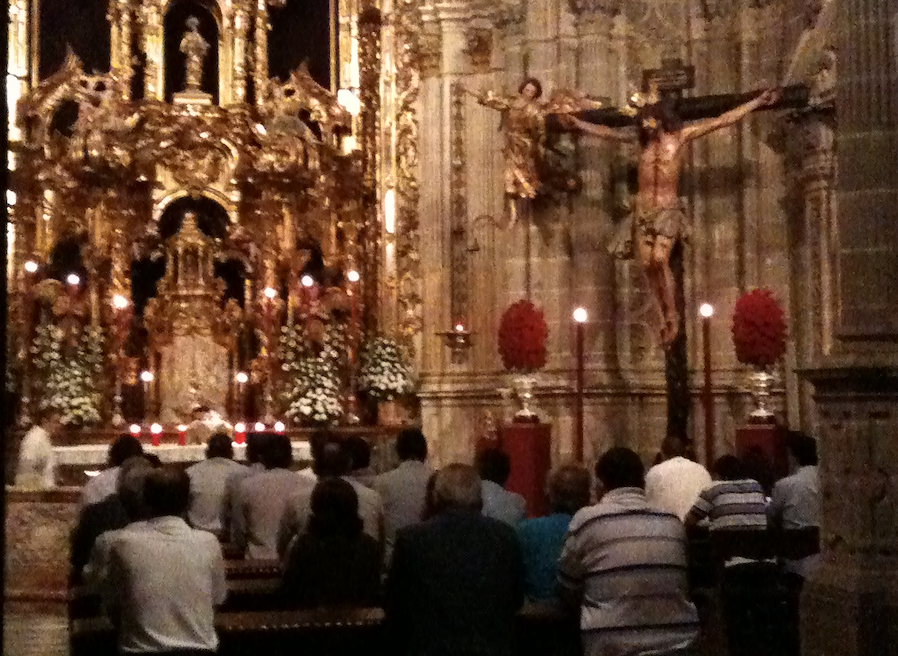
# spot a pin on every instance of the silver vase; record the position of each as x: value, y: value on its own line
x: 761, y: 384
x: 523, y: 387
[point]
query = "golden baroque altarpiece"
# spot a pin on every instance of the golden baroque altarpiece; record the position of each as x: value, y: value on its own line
x: 271, y: 154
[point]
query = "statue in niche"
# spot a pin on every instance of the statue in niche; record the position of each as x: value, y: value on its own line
x: 194, y: 47
x: 658, y: 220
x: 524, y: 127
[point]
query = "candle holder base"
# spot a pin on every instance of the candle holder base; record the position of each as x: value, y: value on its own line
x: 459, y: 343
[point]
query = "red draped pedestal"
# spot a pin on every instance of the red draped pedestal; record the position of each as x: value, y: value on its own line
x: 770, y: 439
x: 529, y: 446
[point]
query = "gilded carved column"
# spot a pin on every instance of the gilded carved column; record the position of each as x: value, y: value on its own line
x: 120, y: 17
x: 409, y: 56
x: 369, y: 25
x: 260, y: 60
x: 154, y: 74
x: 241, y: 28
x: 856, y: 377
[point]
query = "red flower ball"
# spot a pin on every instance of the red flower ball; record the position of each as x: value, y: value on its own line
x: 522, y: 337
x: 759, y: 329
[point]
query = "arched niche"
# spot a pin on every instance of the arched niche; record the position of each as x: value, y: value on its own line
x: 175, y: 27
x: 212, y: 220
x: 190, y: 323
x: 67, y: 257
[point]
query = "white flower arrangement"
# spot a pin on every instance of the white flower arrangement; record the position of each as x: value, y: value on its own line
x: 384, y: 374
x: 69, y: 380
x: 311, y: 389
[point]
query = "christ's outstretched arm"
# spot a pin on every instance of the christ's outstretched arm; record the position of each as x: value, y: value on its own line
x: 708, y: 125
x: 601, y: 131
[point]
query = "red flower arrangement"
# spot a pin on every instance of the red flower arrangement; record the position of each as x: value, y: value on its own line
x: 522, y: 337
x: 759, y: 329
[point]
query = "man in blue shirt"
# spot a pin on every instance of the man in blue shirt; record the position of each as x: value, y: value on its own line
x: 542, y: 537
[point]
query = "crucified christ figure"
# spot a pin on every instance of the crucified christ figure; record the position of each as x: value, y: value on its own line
x: 658, y: 219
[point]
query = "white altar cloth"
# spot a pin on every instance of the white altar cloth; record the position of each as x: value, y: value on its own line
x: 95, y: 455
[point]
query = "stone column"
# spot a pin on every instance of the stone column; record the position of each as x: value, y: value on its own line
x: 850, y: 605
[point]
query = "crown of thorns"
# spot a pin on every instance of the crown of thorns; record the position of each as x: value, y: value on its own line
x: 640, y: 99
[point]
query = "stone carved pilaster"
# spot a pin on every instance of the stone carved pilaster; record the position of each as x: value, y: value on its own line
x: 430, y: 51
x: 858, y: 581
x: 856, y: 377
x: 458, y: 190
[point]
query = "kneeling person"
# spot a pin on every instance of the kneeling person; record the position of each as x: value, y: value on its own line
x: 165, y: 578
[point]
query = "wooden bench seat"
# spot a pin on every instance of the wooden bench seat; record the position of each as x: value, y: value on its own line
x: 542, y: 630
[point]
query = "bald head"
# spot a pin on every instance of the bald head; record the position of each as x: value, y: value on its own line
x: 456, y: 486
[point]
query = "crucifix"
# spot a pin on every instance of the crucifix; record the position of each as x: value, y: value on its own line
x: 666, y: 123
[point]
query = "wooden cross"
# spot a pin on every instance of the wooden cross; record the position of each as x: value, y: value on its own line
x: 670, y: 81
x: 672, y: 78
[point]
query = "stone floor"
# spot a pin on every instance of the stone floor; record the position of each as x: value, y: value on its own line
x: 41, y: 632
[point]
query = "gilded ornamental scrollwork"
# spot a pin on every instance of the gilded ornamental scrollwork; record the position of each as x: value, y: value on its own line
x: 103, y: 173
x: 410, y: 62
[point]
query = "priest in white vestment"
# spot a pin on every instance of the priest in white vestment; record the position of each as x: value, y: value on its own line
x: 37, y: 463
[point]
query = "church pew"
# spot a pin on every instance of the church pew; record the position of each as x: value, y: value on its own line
x: 252, y: 585
x: 273, y: 633
x: 541, y: 631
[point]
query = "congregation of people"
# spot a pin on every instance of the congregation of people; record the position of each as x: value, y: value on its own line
x: 450, y: 555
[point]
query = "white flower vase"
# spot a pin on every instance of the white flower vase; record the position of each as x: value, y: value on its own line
x: 523, y: 387
x: 761, y: 384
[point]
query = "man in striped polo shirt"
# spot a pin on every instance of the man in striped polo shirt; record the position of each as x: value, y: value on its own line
x: 734, y: 502
x: 625, y: 564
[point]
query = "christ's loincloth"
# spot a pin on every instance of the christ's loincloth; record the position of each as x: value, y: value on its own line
x: 670, y: 222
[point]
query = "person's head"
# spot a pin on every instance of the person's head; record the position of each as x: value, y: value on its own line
x: 802, y: 449
x: 456, y: 486
x: 568, y: 489
x: 673, y: 446
x: 655, y: 119
x: 335, y: 509
x: 125, y: 446
x: 411, y: 445
x: 199, y: 412
x: 166, y: 492
x: 359, y: 452
x: 619, y: 467
x: 219, y: 446
x: 278, y: 452
x: 317, y: 440
x: 757, y: 466
x: 334, y: 459
x: 530, y: 88
x: 728, y: 468
x: 255, y: 447
x: 130, y: 487
x: 494, y: 465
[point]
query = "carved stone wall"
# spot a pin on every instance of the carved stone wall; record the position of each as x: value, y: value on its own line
x: 855, y: 368
x: 734, y: 186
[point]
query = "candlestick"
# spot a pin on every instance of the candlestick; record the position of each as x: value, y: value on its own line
x: 707, y: 311
x: 580, y: 317
x: 156, y: 433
